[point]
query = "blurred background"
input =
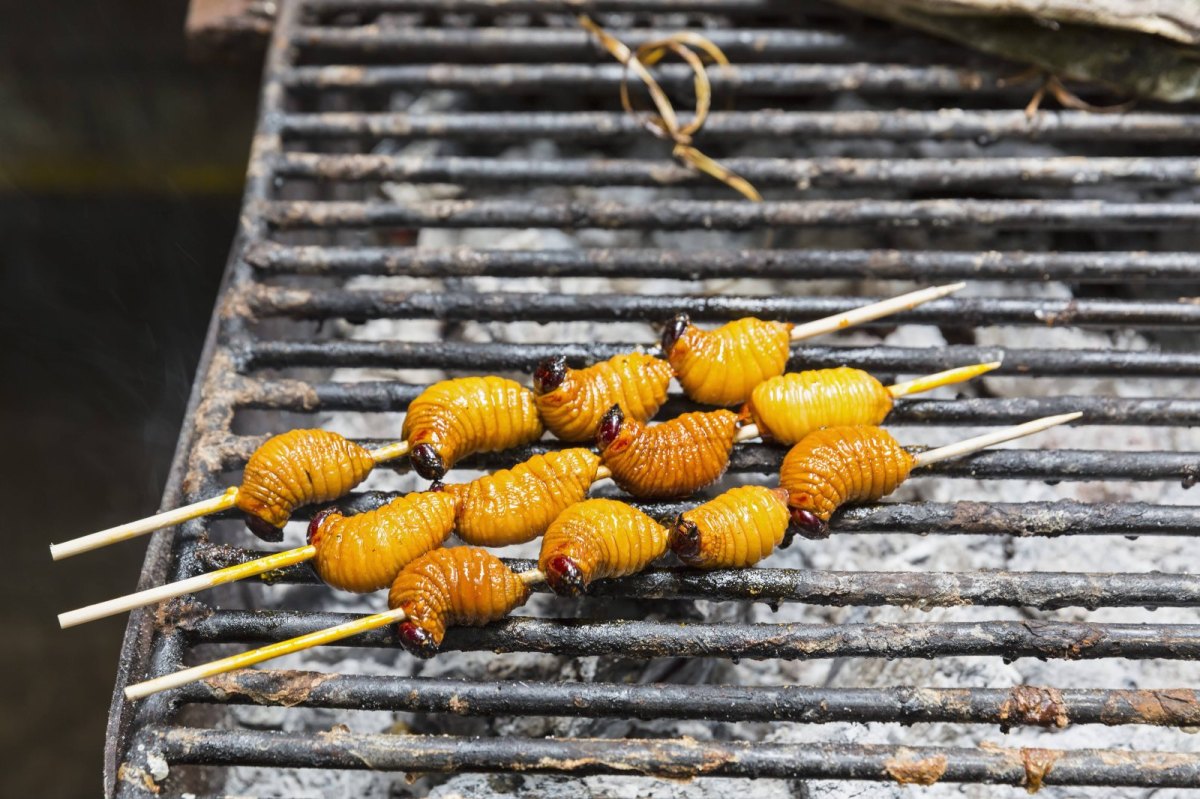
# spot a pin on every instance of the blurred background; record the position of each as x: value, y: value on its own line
x: 121, y: 167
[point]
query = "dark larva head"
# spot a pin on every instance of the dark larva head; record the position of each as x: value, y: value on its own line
x: 427, y: 462
x: 610, y: 427
x: 564, y: 576
x: 808, y: 524
x: 549, y: 374
x: 685, y: 539
x: 264, y: 529
x: 674, y: 330
x: 318, y: 521
x: 416, y: 639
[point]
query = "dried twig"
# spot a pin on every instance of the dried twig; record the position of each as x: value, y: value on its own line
x: 665, y: 124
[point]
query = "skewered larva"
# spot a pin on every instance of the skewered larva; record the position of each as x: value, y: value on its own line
x: 446, y: 587
x: 671, y: 459
x: 722, y: 366
x: 595, y: 539
x: 789, y: 407
x: 735, y: 530
x: 517, y: 505
x: 573, y: 401
x: 831, y: 467
x: 455, y: 418
x: 365, y: 552
x: 297, y: 468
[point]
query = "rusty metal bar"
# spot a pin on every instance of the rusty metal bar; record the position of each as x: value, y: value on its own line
x: 734, y: 215
x: 1042, y: 590
x: 793, y: 641
x: 1001, y: 464
x: 500, y: 306
x: 1021, y: 705
x: 756, y: 7
x: 916, y: 173
x: 745, y: 79
x: 1103, y: 267
x: 676, y: 759
x: 983, y: 127
x: 507, y: 44
x: 381, y: 396
x: 1022, y: 519
x: 472, y: 356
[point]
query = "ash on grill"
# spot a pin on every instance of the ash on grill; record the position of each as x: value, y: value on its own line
x: 484, y: 197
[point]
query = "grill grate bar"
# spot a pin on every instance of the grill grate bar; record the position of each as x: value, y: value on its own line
x: 1042, y: 590
x: 733, y: 215
x: 1021, y: 705
x: 901, y: 125
x: 794, y: 641
x: 566, y: 44
x: 266, y: 354
x: 490, y: 7
x: 1106, y: 267
x: 387, y: 396
x: 1021, y: 519
x: 954, y: 173
x: 499, y: 306
x: 671, y: 758
x: 1004, y: 464
x: 761, y: 79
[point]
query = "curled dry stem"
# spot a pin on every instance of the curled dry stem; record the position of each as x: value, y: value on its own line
x: 665, y: 124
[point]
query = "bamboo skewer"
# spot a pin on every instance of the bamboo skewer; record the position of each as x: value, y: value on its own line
x: 300, y: 643
x: 949, y: 377
x: 876, y: 310
x: 986, y: 440
x: 170, y: 518
x: 278, y: 560
x: 200, y: 582
x: 331, y: 634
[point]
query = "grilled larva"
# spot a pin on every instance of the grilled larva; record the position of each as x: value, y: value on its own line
x: 572, y: 401
x: 831, y: 467
x: 789, y: 407
x: 297, y: 468
x: 517, y: 505
x: 457, y: 586
x: 366, y: 551
x: 671, y: 459
x: 455, y: 418
x: 722, y: 366
x: 735, y: 530
x: 595, y: 539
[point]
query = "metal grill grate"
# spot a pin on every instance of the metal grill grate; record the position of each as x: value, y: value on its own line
x: 1006, y: 201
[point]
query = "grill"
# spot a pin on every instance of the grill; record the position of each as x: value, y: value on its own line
x: 448, y: 124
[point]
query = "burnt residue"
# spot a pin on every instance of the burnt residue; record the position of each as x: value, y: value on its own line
x: 1032, y: 705
x: 1037, y: 763
x: 906, y: 770
x: 1169, y: 708
x: 279, y: 688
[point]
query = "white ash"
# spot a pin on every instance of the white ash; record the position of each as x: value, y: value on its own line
x: 846, y: 552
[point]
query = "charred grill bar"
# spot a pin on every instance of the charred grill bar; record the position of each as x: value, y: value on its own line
x: 308, y: 227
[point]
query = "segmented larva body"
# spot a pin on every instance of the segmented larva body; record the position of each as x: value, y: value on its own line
x: 789, y: 407
x: 517, y: 505
x: 735, y: 530
x: 831, y: 467
x: 572, y: 401
x: 595, y: 539
x: 297, y: 468
x: 365, y: 552
x: 446, y: 587
x: 666, y: 460
x: 722, y: 366
x: 455, y: 418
